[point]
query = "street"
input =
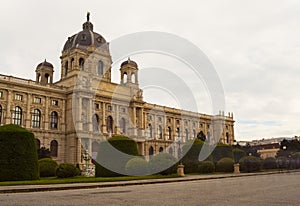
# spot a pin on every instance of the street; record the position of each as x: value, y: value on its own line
x: 277, y: 189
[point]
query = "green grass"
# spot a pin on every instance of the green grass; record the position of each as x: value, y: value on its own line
x: 80, y: 179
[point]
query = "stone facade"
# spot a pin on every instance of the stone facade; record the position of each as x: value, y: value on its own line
x: 71, y: 116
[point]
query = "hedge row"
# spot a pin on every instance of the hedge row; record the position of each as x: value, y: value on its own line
x: 18, y: 154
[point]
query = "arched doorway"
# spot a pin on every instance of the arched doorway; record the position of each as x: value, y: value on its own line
x: 151, y: 151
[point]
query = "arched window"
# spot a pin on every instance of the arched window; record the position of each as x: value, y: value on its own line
x: 100, y: 68
x: 227, y: 138
x: 36, y: 118
x: 151, y: 151
x: 123, y: 125
x: 109, y: 124
x: 66, y: 68
x: 124, y: 77
x: 160, y: 134
x: 0, y: 114
x: 53, y: 120
x: 161, y: 149
x: 133, y: 78
x: 81, y: 64
x: 150, y: 131
x: 95, y: 121
x: 17, y: 116
x: 38, y: 143
x: 54, y: 148
x: 47, y: 78
x: 72, y: 64
x: 186, y: 134
x: 169, y: 133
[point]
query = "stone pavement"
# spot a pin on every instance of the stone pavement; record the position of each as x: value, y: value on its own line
x: 73, y: 186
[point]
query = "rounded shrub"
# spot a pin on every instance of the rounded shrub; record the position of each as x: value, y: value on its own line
x: 250, y: 164
x: 206, y: 167
x: 295, y: 164
x: 163, y: 163
x: 18, y: 154
x: 238, y: 154
x: 222, y: 151
x: 282, y: 162
x: 191, y: 151
x: 225, y: 165
x: 137, y: 166
x: 47, y: 167
x: 269, y: 163
x: 113, y: 156
x: 65, y: 170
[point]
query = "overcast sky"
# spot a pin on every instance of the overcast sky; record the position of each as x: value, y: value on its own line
x: 253, y: 44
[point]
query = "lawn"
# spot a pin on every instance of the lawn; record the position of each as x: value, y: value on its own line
x: 81, y: 179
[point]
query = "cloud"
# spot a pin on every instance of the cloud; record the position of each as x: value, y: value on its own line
x: 254, y: 46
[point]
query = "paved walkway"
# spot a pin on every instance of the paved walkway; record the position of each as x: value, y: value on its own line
x: 72, y: 186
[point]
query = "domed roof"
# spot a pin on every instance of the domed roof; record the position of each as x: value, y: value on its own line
x: 86, y: 37
x: 129, y: 61
x: 45, y: 63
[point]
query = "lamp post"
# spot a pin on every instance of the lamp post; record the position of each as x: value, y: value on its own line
x: 284, y: 149
x: 236, y: 166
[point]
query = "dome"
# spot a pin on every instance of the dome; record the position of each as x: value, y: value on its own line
x: 133, y: 63
x: 86, y: 37
x: 45, y: 63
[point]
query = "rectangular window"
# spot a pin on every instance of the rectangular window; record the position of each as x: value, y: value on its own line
x: 1, y: 94
x: 55, y: 102
x: 109, y: 108
x: 37, y: 100
x: 123, y: 110
x: 18, y: 97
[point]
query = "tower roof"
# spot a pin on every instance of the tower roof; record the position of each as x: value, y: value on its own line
x: 86, y: 37
x: 45, y: 63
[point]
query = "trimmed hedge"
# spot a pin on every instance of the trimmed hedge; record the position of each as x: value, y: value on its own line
x: 65, y: 170
x: 250, y: 164
x: 137, y: 167
x: 190, y: 159
x: 206, y: 167
x: 269, y: 163
x: 222, y: 151
x: 163, y: 163
x: 18, y: 154
x: 225, y: 165
x: 47, y: 167
x: 114, y: 159
x: 238, y: 154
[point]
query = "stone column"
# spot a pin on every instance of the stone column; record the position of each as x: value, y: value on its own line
x: 134, y: 120
x: 90, y: 115
x: 47, y: 112
x: 103, y: 118
x: 117, y: 122
x: 8, y: 112
x: 79, y: 118
x: 27, y: 120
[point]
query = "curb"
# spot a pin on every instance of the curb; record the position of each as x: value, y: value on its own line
x: 73, y: 186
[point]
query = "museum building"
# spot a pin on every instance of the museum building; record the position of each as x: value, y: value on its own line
x: 73, y: 115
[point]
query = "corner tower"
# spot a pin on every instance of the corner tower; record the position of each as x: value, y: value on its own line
x: 44, y: 73
x: 129, y: 73
x: 86, y: 52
